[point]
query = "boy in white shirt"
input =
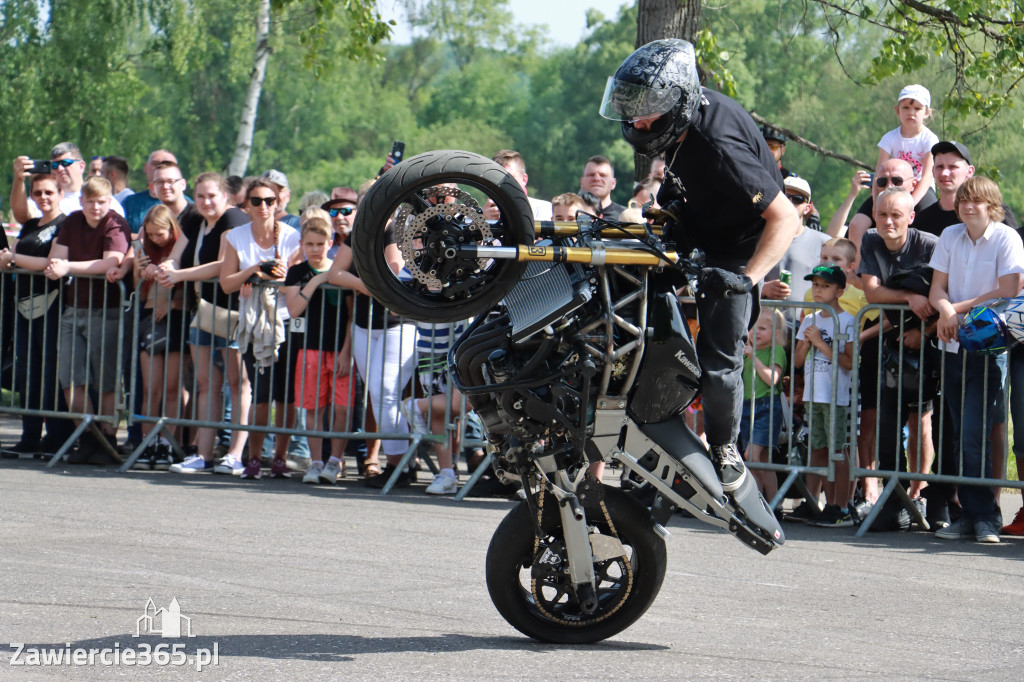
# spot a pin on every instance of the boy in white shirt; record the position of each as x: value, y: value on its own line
x: 977, y: 260
x: 816, y: 335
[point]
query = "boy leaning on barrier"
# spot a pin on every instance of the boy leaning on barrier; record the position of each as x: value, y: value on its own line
x: 843, y: 253
x: 320, y: 317
x: 973, y: 262
x: 816, y: 333
x: 91, y: 243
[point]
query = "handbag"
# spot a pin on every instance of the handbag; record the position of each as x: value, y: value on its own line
x: 215, y: 320
x: 34, y: 307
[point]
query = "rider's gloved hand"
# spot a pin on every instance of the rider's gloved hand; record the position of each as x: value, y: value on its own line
x: 717, y: 282
x: 665, y: 214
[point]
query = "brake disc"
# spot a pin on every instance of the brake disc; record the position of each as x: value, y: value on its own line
x: 460, y: 217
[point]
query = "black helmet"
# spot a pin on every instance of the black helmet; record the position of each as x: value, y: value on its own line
x: 770, y: 133
x: 659, y: 79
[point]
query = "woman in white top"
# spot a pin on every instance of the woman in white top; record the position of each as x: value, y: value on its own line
x: 197, y: 258
x: 258, y: 252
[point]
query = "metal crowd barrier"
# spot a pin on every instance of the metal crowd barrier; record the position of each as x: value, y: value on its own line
x: 48, y: 328
x: 793, y: 442
x: 35, y: 309
x: 208, y: 366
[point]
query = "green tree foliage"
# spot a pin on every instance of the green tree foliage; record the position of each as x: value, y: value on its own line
x: 128, y: 76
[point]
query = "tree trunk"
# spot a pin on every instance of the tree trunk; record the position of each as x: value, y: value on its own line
x: 656, y: 19
x: 247, y: 126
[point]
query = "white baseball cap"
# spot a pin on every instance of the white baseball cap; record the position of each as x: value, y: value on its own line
x: 916, y: 92
x: 797, y: 184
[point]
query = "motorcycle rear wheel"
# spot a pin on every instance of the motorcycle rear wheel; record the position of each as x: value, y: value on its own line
x: 430, y: 206
x: 527, y: 585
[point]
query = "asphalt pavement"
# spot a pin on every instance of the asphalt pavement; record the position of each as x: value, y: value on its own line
x: 286, y: 581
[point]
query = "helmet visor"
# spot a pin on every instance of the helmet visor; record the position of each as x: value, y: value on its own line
x: 624, y: 101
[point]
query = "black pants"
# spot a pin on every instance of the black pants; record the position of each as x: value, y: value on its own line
x: 724, y: 321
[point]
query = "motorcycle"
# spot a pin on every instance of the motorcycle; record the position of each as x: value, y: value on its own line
x: 573, y: 357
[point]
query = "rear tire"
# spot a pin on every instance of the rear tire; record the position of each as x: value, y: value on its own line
x: 407, y: 207
x: 533, y: 596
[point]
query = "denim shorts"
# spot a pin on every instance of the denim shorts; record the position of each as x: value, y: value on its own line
x: 197, y: 337
x: 767, y: 423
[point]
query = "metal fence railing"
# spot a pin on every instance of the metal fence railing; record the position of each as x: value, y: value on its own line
x: 91, y: 352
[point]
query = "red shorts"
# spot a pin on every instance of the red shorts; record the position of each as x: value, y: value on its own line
x: 315, y: 380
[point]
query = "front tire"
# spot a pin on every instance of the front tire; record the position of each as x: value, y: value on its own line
x: 430, y: 206
x: 527, y: 584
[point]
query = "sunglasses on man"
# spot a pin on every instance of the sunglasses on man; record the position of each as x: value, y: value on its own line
x: 344, y: 210
x: 896, y: 180
x: 64, y: 163
x: 797, y: 199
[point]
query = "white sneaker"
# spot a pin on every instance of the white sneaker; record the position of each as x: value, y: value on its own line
x: 330, y: 473
x: 229, y: 465
x: 417, y: 424
x: 312, y: 476
x: 443, y: 484
x: 192, y: 465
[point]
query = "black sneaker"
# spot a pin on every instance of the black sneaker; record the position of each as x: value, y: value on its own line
x: 803, y: 513
x: 126, y: 448
x: 163, y: 457
x: 859, y: 511
x: 405, y: 479
x: 731, y: 470
x: 831, y: 517
x: 83, y: 450
x: 23, y: 448
x: 145, y: 460
x: 49, y: 445
x: 101, y: 456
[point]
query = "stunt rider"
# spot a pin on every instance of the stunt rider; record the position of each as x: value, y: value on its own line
x: 722, y: 194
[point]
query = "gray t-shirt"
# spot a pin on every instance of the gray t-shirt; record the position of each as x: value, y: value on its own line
x: 876, y: 259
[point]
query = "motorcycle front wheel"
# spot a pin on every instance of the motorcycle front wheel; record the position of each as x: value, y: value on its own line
x: 527, y: 575
x: 417, y: 227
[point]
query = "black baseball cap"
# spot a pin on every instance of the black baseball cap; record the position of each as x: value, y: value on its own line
x: 950, y: 147
x: 829, y: 273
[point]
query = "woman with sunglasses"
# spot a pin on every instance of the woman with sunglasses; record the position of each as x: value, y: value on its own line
x: 37, y: 321
x: 197, y: 258
x: 258, y: 252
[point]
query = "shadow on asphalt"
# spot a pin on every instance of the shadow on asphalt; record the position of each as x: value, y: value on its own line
x: 351, y: 487
x: 338, y: 648
x: 913, y: 540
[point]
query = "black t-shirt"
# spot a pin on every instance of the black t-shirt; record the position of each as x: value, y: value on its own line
x: 190, y: 227
x: 728, y: 179
x: 326, y: 313
x: 612, y: 211
x: 876, y: 258
x: 35, y: 240
x: 361, y: 308
x: 935, y: 219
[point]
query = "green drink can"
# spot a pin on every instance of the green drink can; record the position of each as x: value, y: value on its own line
x: 785, y: 276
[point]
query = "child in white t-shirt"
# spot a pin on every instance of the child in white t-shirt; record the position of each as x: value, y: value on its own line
x: 814, y: 341
x: 912, y: 141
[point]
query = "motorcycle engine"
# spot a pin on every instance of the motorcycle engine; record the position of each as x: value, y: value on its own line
x: 529, y: 368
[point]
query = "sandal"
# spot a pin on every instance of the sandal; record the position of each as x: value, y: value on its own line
x: 371, y: 469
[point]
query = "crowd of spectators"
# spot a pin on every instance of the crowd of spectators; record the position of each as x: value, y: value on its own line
x: 937, y: 255
x: 317, y: 347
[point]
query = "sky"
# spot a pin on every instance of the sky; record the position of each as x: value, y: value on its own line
x: 566, y: 19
